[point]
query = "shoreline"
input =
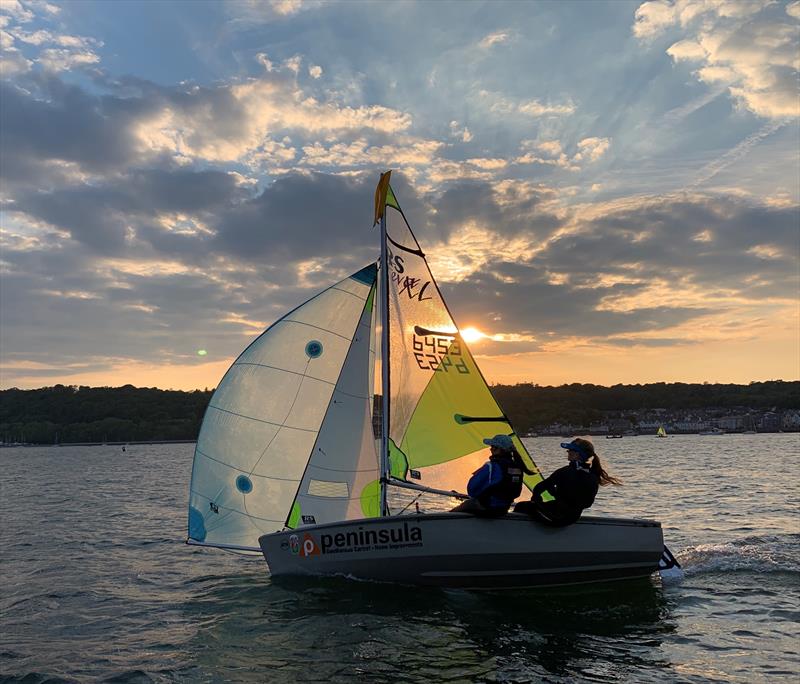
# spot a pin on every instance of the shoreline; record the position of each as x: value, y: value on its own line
x: 134, y: 443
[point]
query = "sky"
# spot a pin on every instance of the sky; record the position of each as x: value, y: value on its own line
x: 608, y: 192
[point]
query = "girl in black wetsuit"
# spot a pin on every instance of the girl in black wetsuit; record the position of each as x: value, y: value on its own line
x: 573, y: 487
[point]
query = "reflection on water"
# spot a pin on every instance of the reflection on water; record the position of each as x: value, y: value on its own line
x: 406, y: 634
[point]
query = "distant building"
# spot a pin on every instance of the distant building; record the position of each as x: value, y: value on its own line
x: 692, y: 426
x: 650, y: 425
x: 619, y: 425
x: 730, y: 422
x: 598, y: 429
x: 790, y: 420
x: 770, y: 422
x: 564, y: 429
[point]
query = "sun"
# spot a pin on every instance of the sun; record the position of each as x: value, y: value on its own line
x: 471, y: 335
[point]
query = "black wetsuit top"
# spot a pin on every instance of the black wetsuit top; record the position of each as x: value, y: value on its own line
x: 573, y: 489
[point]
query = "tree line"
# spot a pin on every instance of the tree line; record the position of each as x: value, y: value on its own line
x: 532, y: 406
x: 69, y: 413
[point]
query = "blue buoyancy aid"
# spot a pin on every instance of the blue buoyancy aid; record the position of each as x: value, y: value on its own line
x: 497, y: 483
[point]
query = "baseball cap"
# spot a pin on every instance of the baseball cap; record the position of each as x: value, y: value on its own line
x: 500, y: 441
x: 575, y: 446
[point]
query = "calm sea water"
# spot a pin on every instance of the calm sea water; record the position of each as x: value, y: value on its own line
x: 98, y: 586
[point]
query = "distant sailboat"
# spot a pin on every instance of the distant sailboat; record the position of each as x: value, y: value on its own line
x: 712, y: 431
x: 661, y: 432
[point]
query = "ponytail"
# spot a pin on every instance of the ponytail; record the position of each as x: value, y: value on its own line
x: 602, y: 475
x: 587, y: 449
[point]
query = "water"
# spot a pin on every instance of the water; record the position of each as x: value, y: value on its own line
x: 97, y: 586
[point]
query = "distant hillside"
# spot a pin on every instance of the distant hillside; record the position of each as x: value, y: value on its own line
x: 97, y: 414
x: 120, y: 414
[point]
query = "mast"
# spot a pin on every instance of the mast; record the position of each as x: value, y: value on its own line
x: 384, y: 352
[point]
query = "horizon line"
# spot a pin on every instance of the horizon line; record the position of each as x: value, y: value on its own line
x: 496, y: 384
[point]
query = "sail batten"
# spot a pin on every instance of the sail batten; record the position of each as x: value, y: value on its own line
x: 283, y: 370
x: 249, y: 472
x: 259, y: 420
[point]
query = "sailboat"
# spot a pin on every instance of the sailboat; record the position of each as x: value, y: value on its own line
x: 363, y: 393
x: 661, y: 432
x: 713, y: 431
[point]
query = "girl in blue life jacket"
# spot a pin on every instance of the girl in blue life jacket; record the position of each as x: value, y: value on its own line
x: 494, y: 486
x: 572, y: 487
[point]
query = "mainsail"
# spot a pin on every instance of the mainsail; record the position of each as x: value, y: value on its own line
x: 440, y: 406
x: 287, y: 436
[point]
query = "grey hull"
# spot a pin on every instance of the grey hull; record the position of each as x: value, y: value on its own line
x: 460, y: 550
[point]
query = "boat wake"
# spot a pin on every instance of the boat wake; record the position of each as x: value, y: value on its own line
x: 759, y: 554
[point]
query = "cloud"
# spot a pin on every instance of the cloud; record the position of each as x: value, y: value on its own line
x: 591, y: 149
x: 651, y: 18
x: 534, y: 108
x: 627, y: 269
x: 225, y: 123
x: 48, y: 124
x: 174, y: 260
x: 752, y: 47
x: 463, y: 133
x: 687, y: 50
x: 59, y: 51
x: 168, y: 261
x: 12, y: 62
x: 246, y: 13
x: 64, y: 60
x: 551, y: 153
x: 359, y: 153
x: 493, y: 39
x: 191, y: 215
x: 286, y: 7
x: 16, y: 10
x: 643, y: 341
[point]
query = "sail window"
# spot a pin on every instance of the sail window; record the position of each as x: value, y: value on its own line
x: 314, y: 349
x: 328, y: 489
x: 197, y: 524
x: 243, y: 484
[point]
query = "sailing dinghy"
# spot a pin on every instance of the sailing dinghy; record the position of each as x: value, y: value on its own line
x: 301, y: 445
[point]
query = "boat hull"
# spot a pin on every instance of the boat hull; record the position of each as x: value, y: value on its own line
x: 460, y: 550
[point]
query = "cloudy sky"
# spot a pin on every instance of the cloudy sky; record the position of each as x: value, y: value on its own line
x: 608, y: 191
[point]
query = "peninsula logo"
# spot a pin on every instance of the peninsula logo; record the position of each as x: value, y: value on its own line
x: 307, y: 547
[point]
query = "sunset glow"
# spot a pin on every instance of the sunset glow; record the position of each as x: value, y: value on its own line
x: 470, y: 335
x: 631, y: 223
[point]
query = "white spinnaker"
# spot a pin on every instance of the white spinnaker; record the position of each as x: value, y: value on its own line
x: 263, y: 420
x: 341, y: 480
